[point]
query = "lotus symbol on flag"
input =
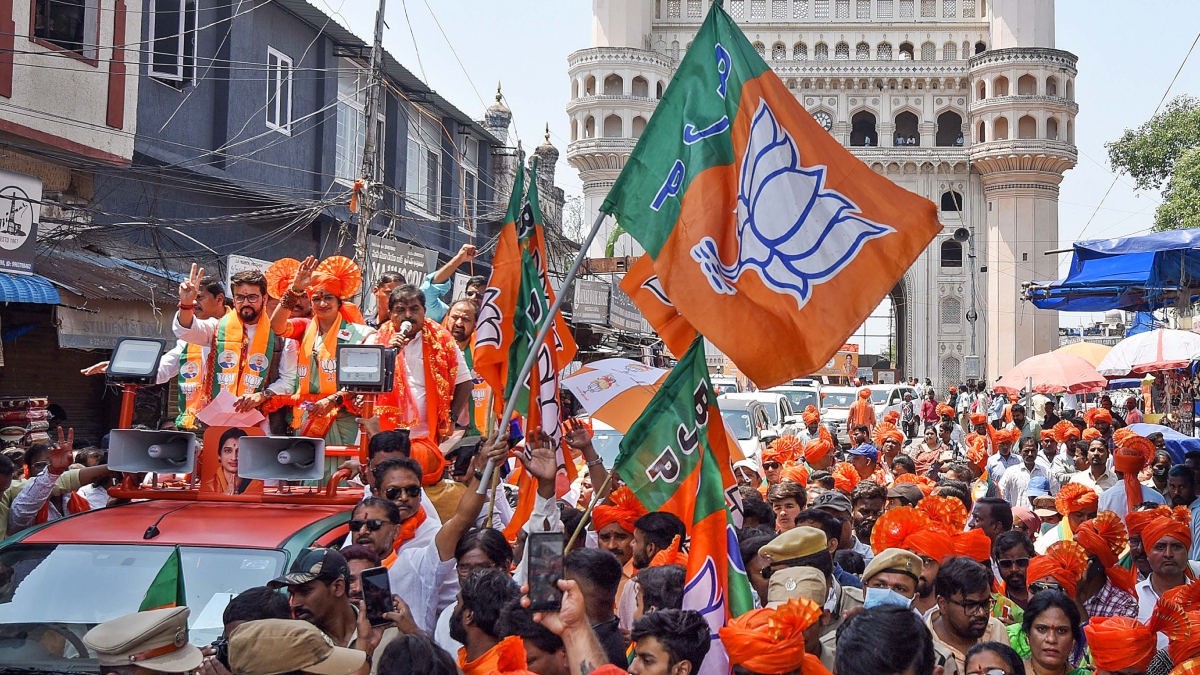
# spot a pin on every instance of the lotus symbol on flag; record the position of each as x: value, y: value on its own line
x: 792, y: 230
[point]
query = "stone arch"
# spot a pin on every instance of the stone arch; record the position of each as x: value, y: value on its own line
x: 614, y: 85
x: 841, y: 52
x: 778, y: 52
x: 658, y: 89
x: 1027, y: 85
x: 640, y: 87
x: 980, y: 47
x: 863, y: 130
x: 862, y: 51
x: 1052, y: 129
x: 1000, y: 128
x: 982, y: 90
x: 574, y: 129
x: 1027, y: 127
x: 883, y: 52
x: 761, y: 49
x: 928, y: 51
x: 899, y: 296
x: 1000, y: 86
x: 821, y: 52
x: 981, y: 133
x: 1070, y: 90
x: 1052, y: 86
x: 907, y: 128
x: 952, y: 201
x: 589, y: 127
x: 574, y: 89
x: 589, y: 85
x: 949, y: 130
x: 799, y: 52
x: 639, y: 125
x: 613, y: 126
x: 1070, y: 131
x: 906, y: 51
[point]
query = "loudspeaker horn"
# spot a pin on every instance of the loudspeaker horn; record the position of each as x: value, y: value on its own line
x: 281, y: 458
x: 961, y: 234
x: 143, y: 450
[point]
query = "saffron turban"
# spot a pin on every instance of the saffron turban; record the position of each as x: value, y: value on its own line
x: 670, y: 555
x: 925, y: 483
x: 1074, y: 497
x: 887, y: 431
x: 811, y: 416
x: 1091, y: 434
x: 1132, y: 455
x: 795, y: 473
x: 783, y: 450
x: 771, y: 641
x: 1104, y: 537
x: 339, y: 276
x: 1064, y: 561
x: 845, y: 477
x: 910, y: 529
x: 1064, y: 431
x: 864, y: 393
x: 943, y: 409
x: 1118, y: 642
x: 1097, y: 414
x: 1188, y: 598
x: 977, y: 419
x: 1048, y: 433
x: 1137, y: 521
x: 948, y: 512
x: 1166, y: 527
x: 624, y: 510
x: 816, y: 450
x: 891, y: 417
x: 280, y: 276
x: 1006, y: 436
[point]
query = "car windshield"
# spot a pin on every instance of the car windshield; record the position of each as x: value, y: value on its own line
x: 607, y: 443
x: 51, y: 595
x: 772, y: 412
x: 879, y: 395
x: 839, y: 399
x: 738, y: 422
x: 801, y: 399
x: 725, y: 388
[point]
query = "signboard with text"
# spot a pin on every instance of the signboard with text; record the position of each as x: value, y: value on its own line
x: 591, y: 302
x: 390, y: 255
x: 241, y: 263
x: 623, y: 314
x: 20, y: 210
x: 99, y: 326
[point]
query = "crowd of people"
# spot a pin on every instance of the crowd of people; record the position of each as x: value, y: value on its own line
x: 991, y: 544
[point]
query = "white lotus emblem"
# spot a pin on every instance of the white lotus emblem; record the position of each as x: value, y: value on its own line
x: 792, y: 230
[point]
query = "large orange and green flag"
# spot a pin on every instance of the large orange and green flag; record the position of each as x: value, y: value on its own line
x: 167, y: 588
x: 675, y: 458
x: 516, y: 304
x: 767, y: 235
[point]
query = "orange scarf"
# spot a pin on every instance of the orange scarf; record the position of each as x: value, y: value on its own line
x: 408, y: 530
x: 237, y: 365
x: 398, y: 409
x: 191, y: 385
x: 75, y: 504
x: 506, y: 657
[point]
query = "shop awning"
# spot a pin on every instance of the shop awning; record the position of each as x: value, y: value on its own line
x: 27, y: 288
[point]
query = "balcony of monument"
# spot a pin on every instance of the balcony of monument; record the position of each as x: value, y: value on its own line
x: 611, y: 102
x: 600, y: 154
x: 1033, y: 56
x: 623, y: 57
x: 1024, y: 154
x: 1050, y: 103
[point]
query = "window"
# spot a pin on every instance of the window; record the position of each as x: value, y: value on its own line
x: 906, y: 51
x: 1027, y: 127
x: 351, y: 123
x: 799, y: 9
x: 968, y: 9
x: 863, y: 9
x: 883, y: 10
x: 949, y: 52
x: 949, y: 8
x: 737, y: 8
x: 779, y: 9
x: 673, y: 9
x: 641, y: 87
x: 862, y: 130
x: 821, y: 10
x: 821, y: 52
x: 800, y: 52
x: 906, y: 9
x: 843, y: 9
x: 862, y: 52
x: 1000, y: 86
x: 695, y: 9
x: 761, y: 49
x: 949, y: 130
x: 1052, y: 129
x: 758, y: 9
x: 950, y: 311
x: 951, y: 370
x: 841, y: 52
x: 614, y: 85
x: 884, y: 51
x: 778, y: 52
x: 928, y: 8
x: 173, y: 44
x: 1027, y: 85
x: 68, y: 24
x: 424, y: 161
x: 471, y: 188
x: 612, y: 126
x: 928, y: 51
x: 951, y: 201
x: 907, y: 132
x: 279, y: 91
x: 1051, y: 86
x: 639, y: 125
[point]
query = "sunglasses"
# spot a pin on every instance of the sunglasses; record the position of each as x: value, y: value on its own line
x: 1039, y: 586
x: 372, y: 524
x: 1007, y: 563
x: 393, y: 493
x: 771, y: 466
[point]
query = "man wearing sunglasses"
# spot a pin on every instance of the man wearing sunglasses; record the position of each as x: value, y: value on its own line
x: 375, y: 523
x: 1011, y: 552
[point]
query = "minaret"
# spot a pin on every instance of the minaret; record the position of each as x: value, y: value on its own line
x: 1022, y: 118
x: 615, y: 86
x: 496, y: 119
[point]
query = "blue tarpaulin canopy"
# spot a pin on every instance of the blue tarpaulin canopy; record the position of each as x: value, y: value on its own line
x: 1177, y: 444
x: 27, y: 288
x: 1133, y: 274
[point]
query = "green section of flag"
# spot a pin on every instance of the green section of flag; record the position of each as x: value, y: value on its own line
x: 532, y: 300
x: 689, y: 132
x: 167, y: 588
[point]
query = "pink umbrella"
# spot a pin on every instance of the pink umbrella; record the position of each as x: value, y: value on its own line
x: 1162, y: 349
x: 1052, y: 373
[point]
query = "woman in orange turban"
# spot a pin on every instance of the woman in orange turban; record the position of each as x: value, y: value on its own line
x: 1123, y: 645
x: 772, y: 641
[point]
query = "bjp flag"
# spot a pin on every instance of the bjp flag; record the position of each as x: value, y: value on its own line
x: 766, y: 235
x: 642, y: 286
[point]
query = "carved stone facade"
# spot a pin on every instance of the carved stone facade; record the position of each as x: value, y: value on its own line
x: 965, y: 102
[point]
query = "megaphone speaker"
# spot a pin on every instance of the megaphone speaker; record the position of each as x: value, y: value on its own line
x: 281, y: 458
x: 961, y: 234
x: 143, y: 450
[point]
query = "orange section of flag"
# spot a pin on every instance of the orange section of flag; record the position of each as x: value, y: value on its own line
x: 641, y: 284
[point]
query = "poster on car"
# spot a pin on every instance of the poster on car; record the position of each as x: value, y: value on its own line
x: 219, y: 462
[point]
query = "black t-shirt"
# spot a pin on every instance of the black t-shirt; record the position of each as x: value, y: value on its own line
x: 613, y: 642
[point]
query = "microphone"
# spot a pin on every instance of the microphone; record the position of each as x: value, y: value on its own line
x: 405, y: 327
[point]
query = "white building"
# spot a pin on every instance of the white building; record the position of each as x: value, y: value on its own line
x: 965, y: 102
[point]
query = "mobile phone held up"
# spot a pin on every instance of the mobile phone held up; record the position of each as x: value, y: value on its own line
x: 544, y: 558
x: 377, y: 594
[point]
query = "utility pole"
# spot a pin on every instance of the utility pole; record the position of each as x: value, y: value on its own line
x: 370, y: 158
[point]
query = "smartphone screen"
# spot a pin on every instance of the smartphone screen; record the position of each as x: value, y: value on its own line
x: 377, y: 594
x: 545, y: 558
x: 463, y: 459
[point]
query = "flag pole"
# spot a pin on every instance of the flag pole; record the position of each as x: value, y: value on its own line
x: 511, y: 405
x: 591, y: 505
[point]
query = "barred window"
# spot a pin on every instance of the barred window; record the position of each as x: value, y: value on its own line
x: 884, y: 51
x: 673, y: 9
x: 778, y: 52
x: 950, y: 52
x: 968, y: 9
x: 695, y: 9
x: 949, y: 8
x: 843, y: 9
x: 928, y: 52
x: 761, y: 49
x: 863, y: 9
x: 883, y: 10
x: 966, y: 49
x: 821, y: 9
x: 799, y: 9
x: 778, y: 9
x: 950, y: 312
x: 800, y: 52
x: 928, y: 8
x: 821, y: 52
x: 841, y: 52
x: 737, y: 8
x: 863, y: 52
x: 906, y: 9
x: 951, y: 371
x: 758, y: 9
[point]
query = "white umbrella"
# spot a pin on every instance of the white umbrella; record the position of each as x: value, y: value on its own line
x: 1162, y: 349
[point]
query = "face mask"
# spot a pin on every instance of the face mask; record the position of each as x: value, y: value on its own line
x: 884, y: 596
x: 1161, y: 471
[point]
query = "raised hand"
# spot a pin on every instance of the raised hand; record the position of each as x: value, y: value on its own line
x: 96, y: 369
x: 467, y: 252
x: 61, y: 455
x: 189, y: 288
x: 576, y: 435
x: 304, y: 274
x: 541, y: 461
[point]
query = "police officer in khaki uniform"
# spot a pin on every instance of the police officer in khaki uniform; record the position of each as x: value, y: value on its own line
x: 145, y: 643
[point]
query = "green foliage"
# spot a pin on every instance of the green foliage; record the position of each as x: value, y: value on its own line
x: 1181, y: 205
x: 1166, y: 150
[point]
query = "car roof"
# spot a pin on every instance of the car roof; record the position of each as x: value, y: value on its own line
x: 194, y: 523
x: 772, y: 396
x: 726, y: 403
x: 840, y: 390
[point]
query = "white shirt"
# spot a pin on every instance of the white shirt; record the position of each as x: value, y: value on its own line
x: 1104, y: 482
x: 1113, y: 499
x: 415, y: 575
x: 414, y: 369
x: 203, y: 331
x: 1147, y: 598
x: 97, y: 497
x: 1015, y: 482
